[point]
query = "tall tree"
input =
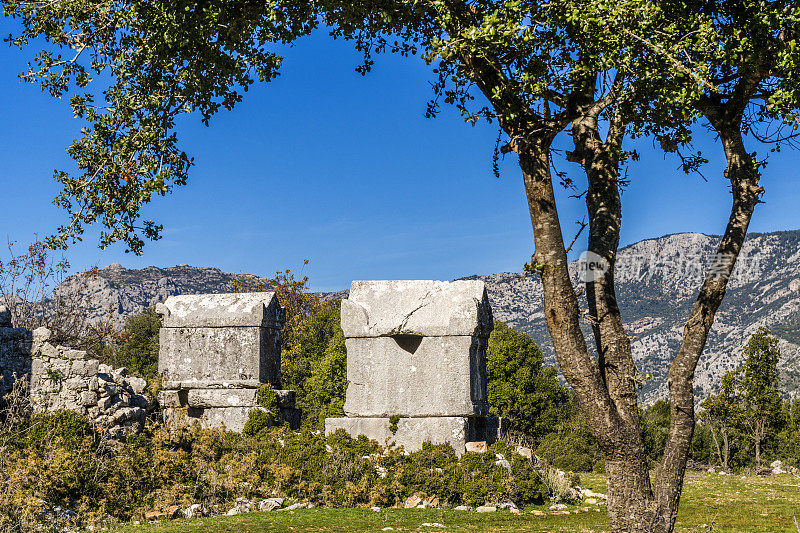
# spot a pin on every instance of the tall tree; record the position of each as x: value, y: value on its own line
x: 759, y: 399
x: 611, y: 66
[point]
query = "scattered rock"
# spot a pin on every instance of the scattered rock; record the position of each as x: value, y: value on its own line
x: 777, y: 467
x: 537, y: 512
x: 376, y: 509
x: 195, y: 510
x: 507, y: 505
x: 413, y: 501
x: 432, y: 501
x: 477, y: 447
x: 591, y: 501
x: 558, y: 506
x: 432, y: 524
x: 502, y: 463
x: 270, y: 504
x: 525, y: 452
x: 296, y: 506
x: 486, y: 509
x: 462, y: 508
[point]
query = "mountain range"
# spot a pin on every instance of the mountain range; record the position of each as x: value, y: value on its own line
x: 657, y: 283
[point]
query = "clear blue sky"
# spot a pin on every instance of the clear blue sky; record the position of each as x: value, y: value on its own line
x: 346, y: 171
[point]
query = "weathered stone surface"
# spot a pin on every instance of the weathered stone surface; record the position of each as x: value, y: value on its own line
x: 377, y: 429
x: 286, y: 398
x: 260, y: 309
x: 442, y: 376
x: 416, y: 307
x: 62, y: 378
x: 477, y: 447
x: 225, y: 384
x: 222, y: 397
x: 219, y: 354
x: 5, y: 317
x: 230, y: 418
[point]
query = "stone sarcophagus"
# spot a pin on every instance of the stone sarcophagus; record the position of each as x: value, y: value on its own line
x: 216, y: 351
x: 416, y: 363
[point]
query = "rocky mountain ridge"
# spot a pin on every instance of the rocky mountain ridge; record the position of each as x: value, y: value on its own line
x: 657, y: 283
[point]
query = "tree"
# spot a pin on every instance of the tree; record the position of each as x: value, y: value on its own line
x: 518, y: 387
x: 612, y: 66
x: 137, y: 348
x: 759, y: 399
x: 720, y: 412
x: 315, y: 363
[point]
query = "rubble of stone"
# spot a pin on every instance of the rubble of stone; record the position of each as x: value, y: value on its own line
x: 215, y: 352
x: 63, y: 378
x: 15, y: 352
x: 416, y: 363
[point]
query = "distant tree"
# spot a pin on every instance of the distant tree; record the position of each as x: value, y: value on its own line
x: 720, y: 413
x: 518, y: 387
x: 655, y: 428
x: 759, y: 399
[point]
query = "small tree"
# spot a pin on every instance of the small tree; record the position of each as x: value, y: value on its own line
x: 759, y: 400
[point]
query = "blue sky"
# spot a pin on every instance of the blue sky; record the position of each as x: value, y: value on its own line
x: 344, y: 170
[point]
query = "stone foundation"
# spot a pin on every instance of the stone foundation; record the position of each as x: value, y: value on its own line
x: 411, y: 433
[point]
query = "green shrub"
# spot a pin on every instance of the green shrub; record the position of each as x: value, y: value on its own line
x: 268, y: 399
x: 257, y: 421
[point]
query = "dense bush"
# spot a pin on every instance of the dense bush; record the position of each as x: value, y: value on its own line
x: 655, y: 428
x: 572, y: 447
x: 181, y: 465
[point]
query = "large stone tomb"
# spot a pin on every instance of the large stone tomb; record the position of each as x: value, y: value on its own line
x: 215, y: 351
x: 416, y: 363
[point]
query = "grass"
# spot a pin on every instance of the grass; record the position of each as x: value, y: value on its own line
x: 710, y: 503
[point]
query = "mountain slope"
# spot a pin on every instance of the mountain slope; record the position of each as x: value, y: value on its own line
x: 657, y: 282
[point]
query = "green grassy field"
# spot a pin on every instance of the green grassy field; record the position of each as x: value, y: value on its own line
x: 710, y: 503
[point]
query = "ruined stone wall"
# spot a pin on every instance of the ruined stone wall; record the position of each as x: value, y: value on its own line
x: 63, y: 378
x: 15, y: 352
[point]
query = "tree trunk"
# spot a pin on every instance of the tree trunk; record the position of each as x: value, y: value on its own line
x: 743, y: 174
x: 758, y: 452
x: 726, y: 447
x: 631, y: 502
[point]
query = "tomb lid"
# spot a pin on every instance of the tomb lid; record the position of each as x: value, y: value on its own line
x: 417, y: 307
x: 222, y: 310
